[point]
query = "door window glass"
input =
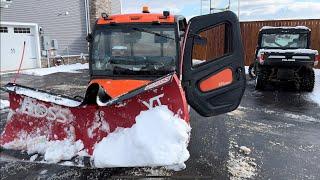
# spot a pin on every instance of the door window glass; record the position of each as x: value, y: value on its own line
x: 3, y: 29
x: 211, y: 44
x: 22, y: 30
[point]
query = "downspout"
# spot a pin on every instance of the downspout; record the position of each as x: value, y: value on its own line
x: 87, y: 10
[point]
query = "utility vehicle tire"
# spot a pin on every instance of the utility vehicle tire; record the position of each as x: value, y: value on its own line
x: 252, y: 71
x: 307, y: 80
x: 260, y: 82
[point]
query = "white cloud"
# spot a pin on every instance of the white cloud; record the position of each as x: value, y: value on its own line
x: 276, y: 9
x: 304, y: 6
x: 249, y: 9
x: 135, y: 6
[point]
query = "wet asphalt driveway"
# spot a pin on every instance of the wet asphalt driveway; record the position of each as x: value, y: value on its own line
x: 282, y: 129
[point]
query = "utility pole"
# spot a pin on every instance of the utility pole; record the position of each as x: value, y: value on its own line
x: 210, y: 7
x: 200, y: 7
x: 239, y: 9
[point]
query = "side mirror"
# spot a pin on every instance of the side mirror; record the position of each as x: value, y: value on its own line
x: 200, y: 40
x: 89, y: 37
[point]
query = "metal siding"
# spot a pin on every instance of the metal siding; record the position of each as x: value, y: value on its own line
x: 69, y: 30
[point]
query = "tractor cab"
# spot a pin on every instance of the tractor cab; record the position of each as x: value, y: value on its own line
x: 129, y: 51
x: 143, y: 46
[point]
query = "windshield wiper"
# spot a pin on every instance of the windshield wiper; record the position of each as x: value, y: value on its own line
x: 151, y: 32
x: 144, y: 30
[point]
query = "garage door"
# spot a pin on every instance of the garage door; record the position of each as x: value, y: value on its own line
x: 12, y: 38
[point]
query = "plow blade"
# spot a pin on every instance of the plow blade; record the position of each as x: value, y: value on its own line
x: 36, y: 116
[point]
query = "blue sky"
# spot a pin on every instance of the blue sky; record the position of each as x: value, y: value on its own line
x: 249, y: 9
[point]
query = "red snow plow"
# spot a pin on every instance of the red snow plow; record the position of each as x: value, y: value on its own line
x: 137, y: 62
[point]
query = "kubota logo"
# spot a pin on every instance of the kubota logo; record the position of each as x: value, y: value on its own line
x: 53, y: 113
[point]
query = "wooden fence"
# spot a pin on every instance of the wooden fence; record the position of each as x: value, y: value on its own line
x: 250, y: 30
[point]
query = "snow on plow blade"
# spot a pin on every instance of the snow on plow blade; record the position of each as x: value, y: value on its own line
x: 36, y: 116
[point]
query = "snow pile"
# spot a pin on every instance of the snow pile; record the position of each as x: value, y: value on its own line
x: 62, y: 150
x: 71, y: 68
x: 159, y: 138
x: 285, y: 27
x: 295, y: 51
x: 44, y: 96
x: 315, y: 95
x: 53, y: 151
x: 4, y: 104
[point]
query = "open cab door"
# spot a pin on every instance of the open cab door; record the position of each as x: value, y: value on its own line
x: 213, y: 74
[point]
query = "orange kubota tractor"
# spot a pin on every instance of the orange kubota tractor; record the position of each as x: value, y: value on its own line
x: 137, y: 62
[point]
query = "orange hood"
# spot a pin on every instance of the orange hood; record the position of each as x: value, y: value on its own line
x: 115, y: 88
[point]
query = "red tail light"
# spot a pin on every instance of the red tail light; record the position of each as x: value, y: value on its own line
x: 317, y: 59
x: 262, y: 58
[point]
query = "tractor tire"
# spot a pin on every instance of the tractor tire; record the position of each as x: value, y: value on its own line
x: 307, y: 80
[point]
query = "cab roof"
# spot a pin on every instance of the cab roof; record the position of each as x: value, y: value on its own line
x: 137, y: 18
x: 284, y: 29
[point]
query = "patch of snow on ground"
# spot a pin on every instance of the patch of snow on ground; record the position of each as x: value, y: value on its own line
x: 315, y: 95
x: 70, y: 68
x: 301, y: 117
x: 246, y: 69
x: 33, y: 158
x: 4, y: 104
x: 159, y: 138
x: 239, y: 165
x: 245, y: 150
x: 53, y: 151
x: 62, y: 150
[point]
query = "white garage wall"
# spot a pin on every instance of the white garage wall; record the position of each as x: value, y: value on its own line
x: 69, y: 29
x: 12, y: 47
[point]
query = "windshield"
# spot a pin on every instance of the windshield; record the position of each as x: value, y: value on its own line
x: 284, y: 41
x: 126, y: 50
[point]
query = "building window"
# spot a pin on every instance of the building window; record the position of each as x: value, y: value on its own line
x: 21, y: 30
x: 3, y: 29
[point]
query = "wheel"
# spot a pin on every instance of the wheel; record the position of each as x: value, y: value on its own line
x: 261, y: 80
x: 252, y: 71
x: 259, y: 83
x: 307, y: 80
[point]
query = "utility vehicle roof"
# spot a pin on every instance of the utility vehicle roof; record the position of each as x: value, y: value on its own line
x: 137, y: 18
x: 284, y: 29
